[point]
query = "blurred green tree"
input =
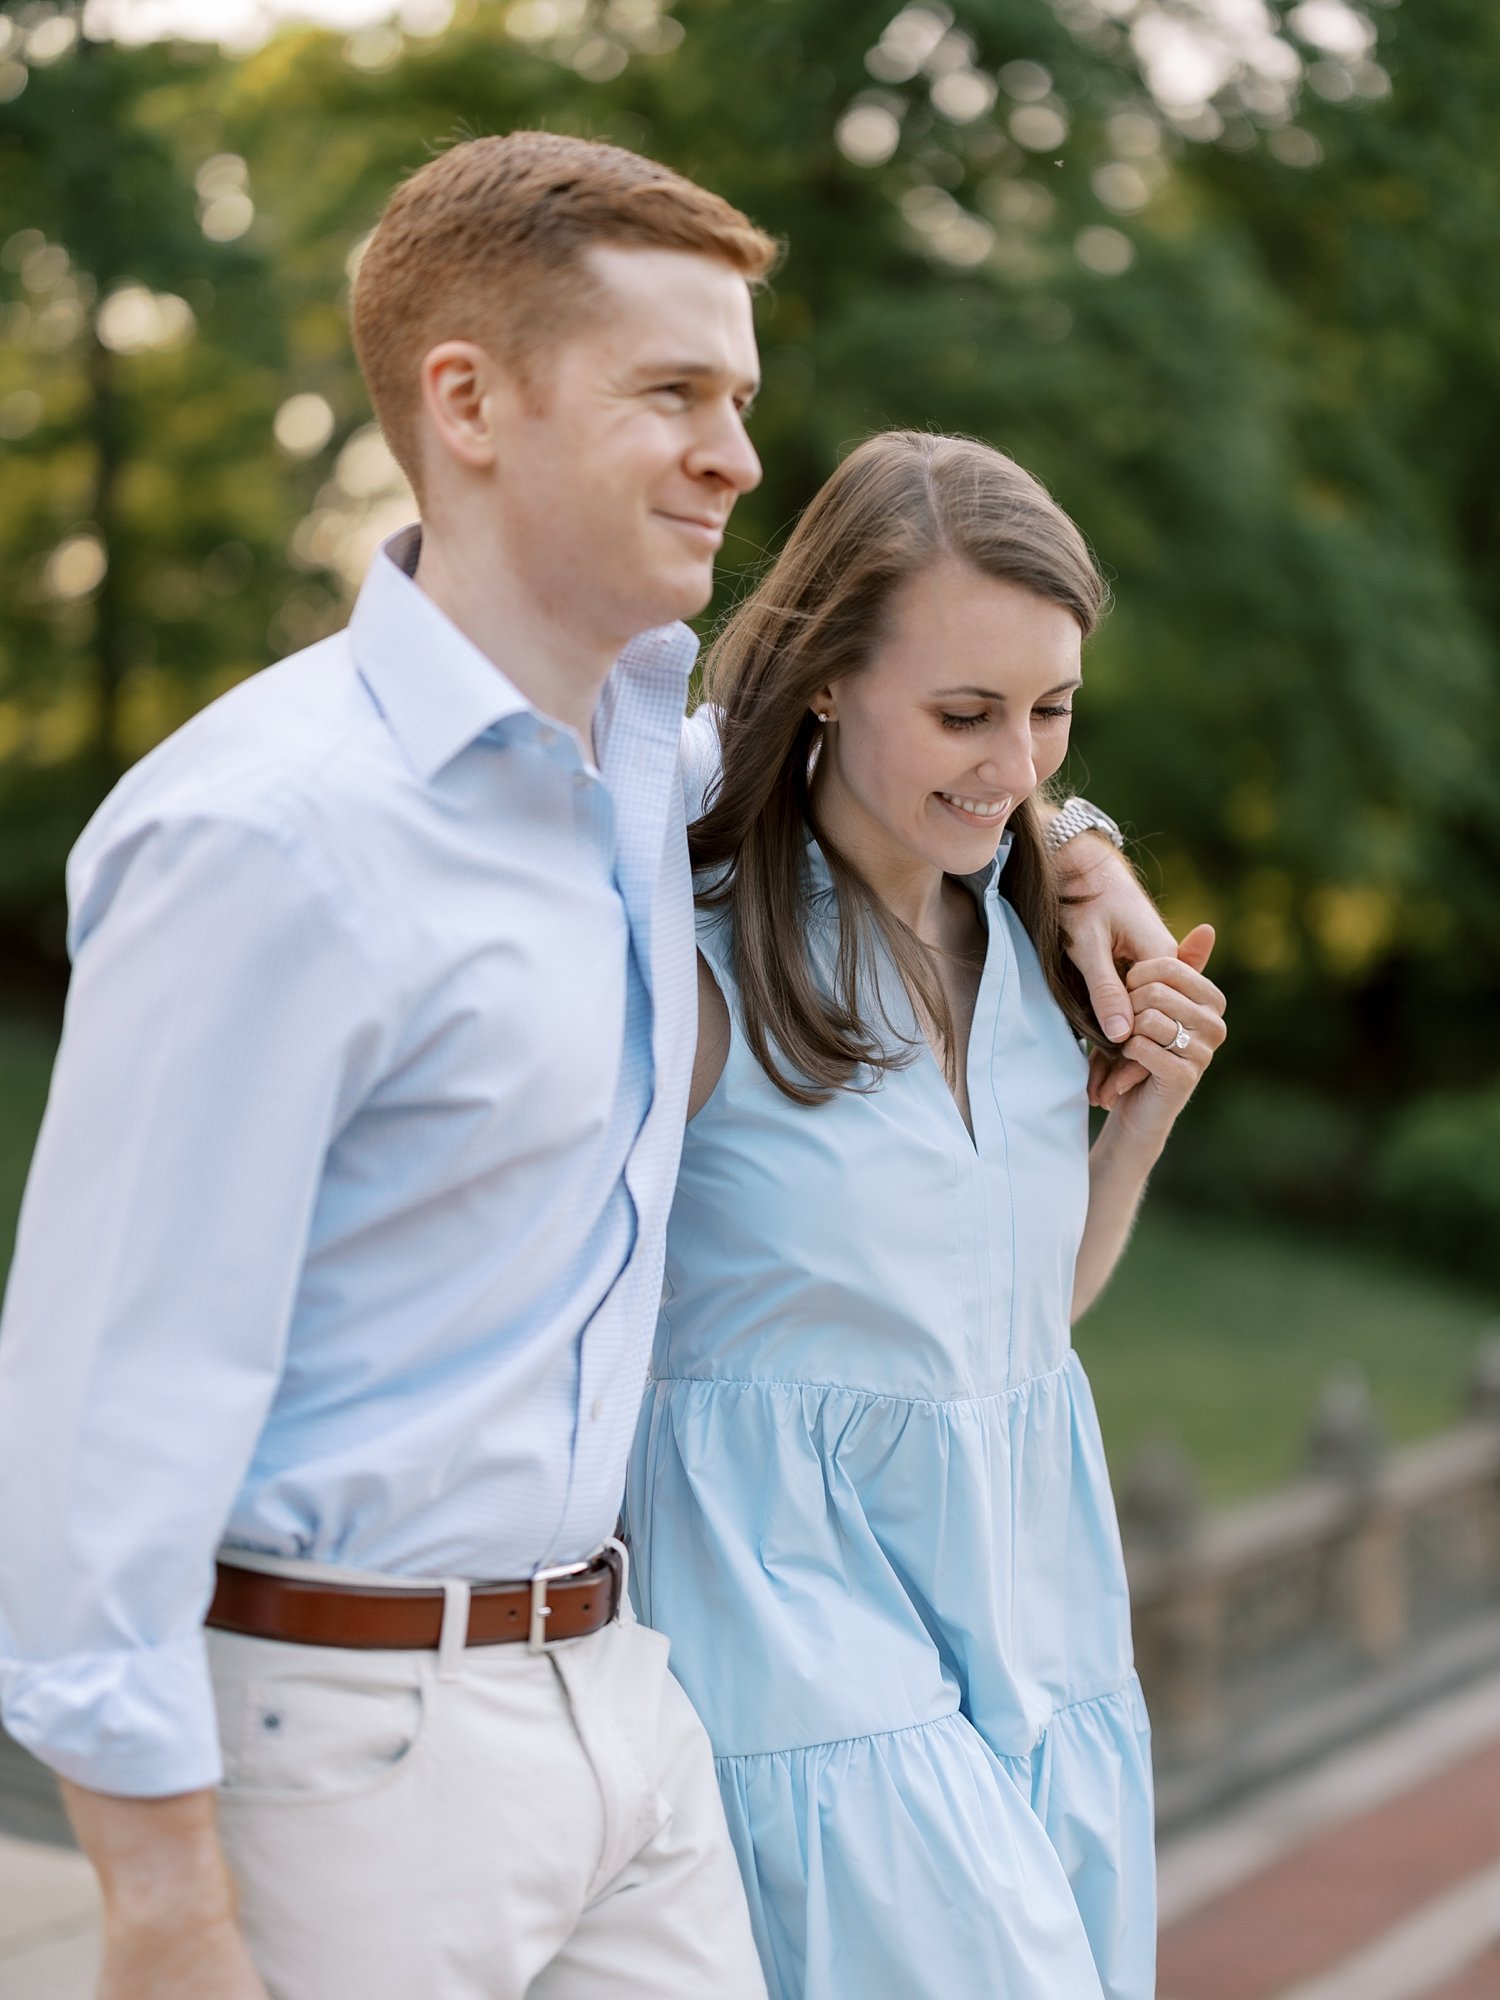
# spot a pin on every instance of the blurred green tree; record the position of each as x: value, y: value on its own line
x: 1223, y: 278
x: 138, y: 510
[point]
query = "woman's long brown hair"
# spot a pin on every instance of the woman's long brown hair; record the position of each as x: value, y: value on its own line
x: 898, y: 503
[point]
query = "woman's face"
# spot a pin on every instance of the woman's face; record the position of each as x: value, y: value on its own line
x: 960, y: 713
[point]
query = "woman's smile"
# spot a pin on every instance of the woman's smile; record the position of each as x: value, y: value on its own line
x: 976, y: 812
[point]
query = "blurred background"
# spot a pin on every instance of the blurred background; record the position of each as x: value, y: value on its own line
x: 1224, y: 273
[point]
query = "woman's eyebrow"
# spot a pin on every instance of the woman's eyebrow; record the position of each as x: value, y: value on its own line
x: 993, y: 694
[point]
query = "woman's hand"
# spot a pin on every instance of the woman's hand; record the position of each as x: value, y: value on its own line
x: 1172, y: 999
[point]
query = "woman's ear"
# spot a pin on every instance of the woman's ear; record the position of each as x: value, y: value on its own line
x: 822, y: 705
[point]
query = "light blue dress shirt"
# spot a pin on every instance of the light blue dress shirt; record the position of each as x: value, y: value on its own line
x: 344, y: 1235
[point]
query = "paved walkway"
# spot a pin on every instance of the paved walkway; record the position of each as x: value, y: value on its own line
x: 49, y: 1923
x: 1376, y: 1876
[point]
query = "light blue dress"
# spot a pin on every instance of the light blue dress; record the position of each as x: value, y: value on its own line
x: 869, y: 1507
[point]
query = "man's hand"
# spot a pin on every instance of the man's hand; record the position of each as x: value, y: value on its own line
x: 169, y: 1922
x: 186, y: 1959
x: 1115, y: 924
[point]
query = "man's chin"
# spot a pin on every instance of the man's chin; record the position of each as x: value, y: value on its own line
x: 681, y: 595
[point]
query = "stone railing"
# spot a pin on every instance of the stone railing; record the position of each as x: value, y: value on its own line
x: 1272, y: 1631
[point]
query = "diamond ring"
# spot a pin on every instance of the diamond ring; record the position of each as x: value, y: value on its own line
x: 1181, y: 1039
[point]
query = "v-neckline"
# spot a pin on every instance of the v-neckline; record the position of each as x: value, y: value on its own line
x: 968, y: 1126
x: 979, y: 886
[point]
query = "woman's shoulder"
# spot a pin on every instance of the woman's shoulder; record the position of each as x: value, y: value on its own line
x: 714, y: 929
x: 699, y: 758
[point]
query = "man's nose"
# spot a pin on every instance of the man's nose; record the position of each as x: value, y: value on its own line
x: 727, y: 453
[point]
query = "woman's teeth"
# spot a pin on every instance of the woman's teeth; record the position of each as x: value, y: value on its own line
x: 980, y: 808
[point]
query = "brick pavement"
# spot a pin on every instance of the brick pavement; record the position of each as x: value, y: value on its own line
x: 1479, y: 1981
x: 1384, y: 1884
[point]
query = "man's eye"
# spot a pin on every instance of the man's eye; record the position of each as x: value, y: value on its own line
x: 964, y: 721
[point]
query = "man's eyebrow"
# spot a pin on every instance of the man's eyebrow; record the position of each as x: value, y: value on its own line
x: 695, y: 371
x: 993, y: 694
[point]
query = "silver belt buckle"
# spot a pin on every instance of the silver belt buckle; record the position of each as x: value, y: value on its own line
x: 541, y: 1610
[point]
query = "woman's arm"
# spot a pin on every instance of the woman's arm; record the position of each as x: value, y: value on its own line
x: 713, y: 1039
x: 1168, y: 995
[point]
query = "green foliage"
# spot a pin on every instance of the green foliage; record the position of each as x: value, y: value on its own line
x: 26, y: 1050
x: 1255, y: 351
x: 1439, y: 1178
x: 1220, y: 1335
x: 1265, y: 1144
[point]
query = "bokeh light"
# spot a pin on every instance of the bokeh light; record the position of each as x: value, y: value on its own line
x: 75, y: 568
x: 303, y: 424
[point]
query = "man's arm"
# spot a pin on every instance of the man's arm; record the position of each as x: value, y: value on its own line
x: 169, y: 1917
x: 212, y: 1046
x: 1108, y: 922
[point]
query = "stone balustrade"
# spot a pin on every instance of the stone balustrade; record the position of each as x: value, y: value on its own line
x: 1270, y: 1632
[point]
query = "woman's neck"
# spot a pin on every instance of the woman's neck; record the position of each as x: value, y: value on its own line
x: 910, y: 888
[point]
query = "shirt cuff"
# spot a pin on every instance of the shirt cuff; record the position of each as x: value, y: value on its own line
x: 140, y: 1724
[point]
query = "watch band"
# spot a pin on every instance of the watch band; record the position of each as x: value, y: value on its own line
x: 1079, y: 816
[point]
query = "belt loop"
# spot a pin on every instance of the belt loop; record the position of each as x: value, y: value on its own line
x: 454, y: 1636
x: 617, y: 1548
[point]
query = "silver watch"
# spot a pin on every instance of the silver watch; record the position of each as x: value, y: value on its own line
x: 1078, y: 816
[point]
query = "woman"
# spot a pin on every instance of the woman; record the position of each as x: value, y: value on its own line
x: 868, y: 1499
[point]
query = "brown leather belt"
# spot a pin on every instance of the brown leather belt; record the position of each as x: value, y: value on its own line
x: 562, y: 1603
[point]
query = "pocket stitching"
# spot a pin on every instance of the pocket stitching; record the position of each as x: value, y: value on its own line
x: 251, y: 1794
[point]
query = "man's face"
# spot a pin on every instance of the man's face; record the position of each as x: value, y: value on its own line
x: 616, y: 476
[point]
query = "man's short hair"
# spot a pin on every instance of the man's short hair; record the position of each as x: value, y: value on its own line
x: 486, y: 243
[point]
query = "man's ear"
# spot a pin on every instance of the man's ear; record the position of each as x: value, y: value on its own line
x: 465, y: 394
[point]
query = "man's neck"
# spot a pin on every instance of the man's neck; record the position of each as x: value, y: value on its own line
x: 557, y: 670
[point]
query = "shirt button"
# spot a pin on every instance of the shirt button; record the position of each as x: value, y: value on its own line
x: 596, y: 1409
x: 546, y: 737
x: 580, y: 781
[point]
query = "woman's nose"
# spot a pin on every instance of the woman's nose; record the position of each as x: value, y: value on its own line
x: 1010, y: 769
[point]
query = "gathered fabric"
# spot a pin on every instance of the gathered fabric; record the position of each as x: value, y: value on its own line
x: 870, y: 1509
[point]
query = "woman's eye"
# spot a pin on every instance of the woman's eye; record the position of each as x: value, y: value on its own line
x: 964, y: 721
x: 1051, y: 714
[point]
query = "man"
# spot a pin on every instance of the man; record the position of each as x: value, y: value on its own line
x: 343, y: 1240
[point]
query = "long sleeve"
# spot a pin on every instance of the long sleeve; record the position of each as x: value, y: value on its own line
x: 220, y: 1027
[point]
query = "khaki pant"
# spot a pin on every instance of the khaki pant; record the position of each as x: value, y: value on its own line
x: 545, y: 1825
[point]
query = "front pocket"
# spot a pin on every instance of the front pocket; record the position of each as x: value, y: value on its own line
x: 315, y: 1739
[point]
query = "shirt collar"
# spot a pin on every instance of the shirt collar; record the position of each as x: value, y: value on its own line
x: 439, y: 693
